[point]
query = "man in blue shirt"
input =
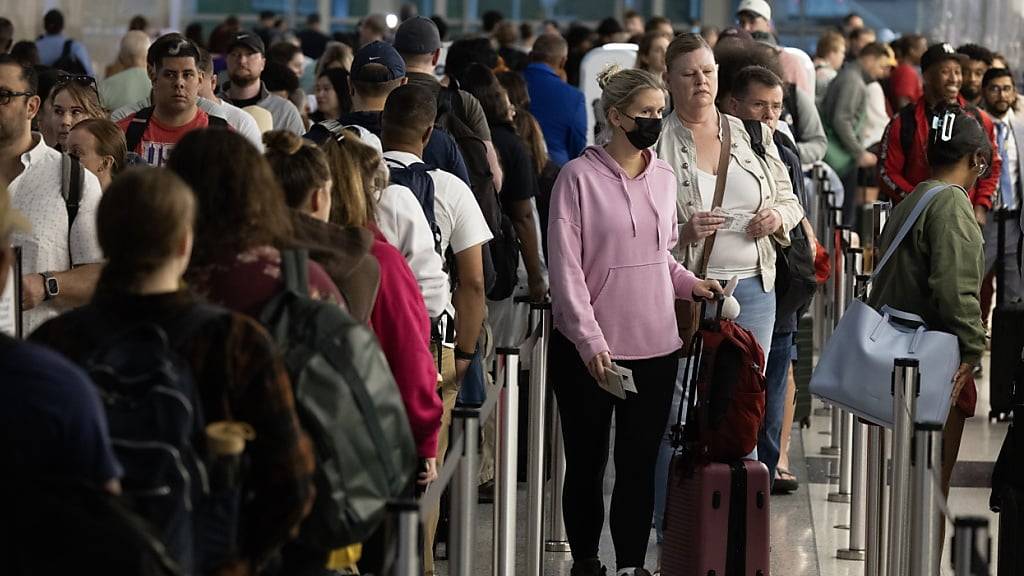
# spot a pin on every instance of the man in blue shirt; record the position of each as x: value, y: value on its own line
x: 560, y: 109
x: 51, y: 45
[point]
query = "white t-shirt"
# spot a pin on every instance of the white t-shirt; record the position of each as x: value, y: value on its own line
x: 1011, y: 158
x: 459, y: 218
x: 402, y: 222
x: 238, y: 119
x: 37, y: 195
x: 734, y: 254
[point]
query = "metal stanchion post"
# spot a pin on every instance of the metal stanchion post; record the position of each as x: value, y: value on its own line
x: 833, y: 303
x: 852, y: 261
x: 874, y: 529
x: 905, y: 382
x: 557, y: 539
x: 823, y: 232
x: 856, y: 548
x: 925, y: 551
x: 464, y: 494
x: 540, y: 323
x: 407, y: 524
x: 842, y: 493
x: 506, y: 453
x: 972, y: 546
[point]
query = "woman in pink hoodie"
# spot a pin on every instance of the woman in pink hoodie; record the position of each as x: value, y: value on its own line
x: 613, y: 284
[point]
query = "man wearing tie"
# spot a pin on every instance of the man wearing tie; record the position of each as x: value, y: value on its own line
x: 1000, y: 100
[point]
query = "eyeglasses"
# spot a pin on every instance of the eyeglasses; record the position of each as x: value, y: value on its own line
x: 995, y: 89
x: 80, y: 79
x: 6, y: 96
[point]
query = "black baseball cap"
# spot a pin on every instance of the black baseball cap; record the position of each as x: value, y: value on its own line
x: 937, y: 53
x: 250, y: 40
x: 417, y: 35
x: 389, y: 65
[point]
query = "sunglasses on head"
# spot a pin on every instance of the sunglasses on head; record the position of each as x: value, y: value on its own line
x: 80, y: 79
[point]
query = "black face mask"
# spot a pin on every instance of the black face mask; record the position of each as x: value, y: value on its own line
x: 645, y: 132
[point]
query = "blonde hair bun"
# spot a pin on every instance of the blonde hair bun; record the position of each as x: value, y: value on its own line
x: 607, y: 74
x: 282, y: 142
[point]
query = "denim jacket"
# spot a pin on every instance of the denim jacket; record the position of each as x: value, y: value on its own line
x: 676, y: 147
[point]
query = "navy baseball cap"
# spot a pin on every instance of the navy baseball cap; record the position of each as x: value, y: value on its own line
x: 417, y: 35
x: 377, y: 62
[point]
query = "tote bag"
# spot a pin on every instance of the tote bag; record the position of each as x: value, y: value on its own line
x: 856, y: 365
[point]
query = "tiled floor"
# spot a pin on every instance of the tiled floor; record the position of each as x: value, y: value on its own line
x: 804, y: 537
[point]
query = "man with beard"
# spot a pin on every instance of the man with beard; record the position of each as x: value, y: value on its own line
x: 978, y: 61
x: 246, y: 60
x: 1000, y: 96
x: 903, y: 163
x: 152, y: 132
x: 60, y: 253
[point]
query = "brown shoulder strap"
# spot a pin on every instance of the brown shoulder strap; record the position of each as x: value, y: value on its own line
x: 723, y: 173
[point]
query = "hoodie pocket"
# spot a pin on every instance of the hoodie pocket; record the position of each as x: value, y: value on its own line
x: 634, y: 309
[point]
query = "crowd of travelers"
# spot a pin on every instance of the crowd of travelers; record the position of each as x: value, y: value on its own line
x: 232, y: 244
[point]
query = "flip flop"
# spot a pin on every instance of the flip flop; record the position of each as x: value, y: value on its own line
x: 785, y: 482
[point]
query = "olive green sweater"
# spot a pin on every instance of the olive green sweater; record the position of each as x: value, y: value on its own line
x: 936, y: 272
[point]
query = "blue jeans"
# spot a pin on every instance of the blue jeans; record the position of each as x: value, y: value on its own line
x: 768, y: 438
x: 757, y: 314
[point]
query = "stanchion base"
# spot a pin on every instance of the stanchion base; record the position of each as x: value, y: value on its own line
x: 839, y: 497
x: 553, y: 546
x: 830, y: 450
x: 851, y: 555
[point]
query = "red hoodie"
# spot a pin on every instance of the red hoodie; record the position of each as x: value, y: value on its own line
x: 399, y: 319
x: 900, y: 171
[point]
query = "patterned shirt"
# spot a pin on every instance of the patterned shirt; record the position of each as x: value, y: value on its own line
x: 49, y: 247
x: 159, y: 140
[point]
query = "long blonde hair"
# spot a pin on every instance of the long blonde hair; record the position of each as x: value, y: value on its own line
x: 357, y: 175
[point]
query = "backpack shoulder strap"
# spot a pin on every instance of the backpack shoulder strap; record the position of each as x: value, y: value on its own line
x: 926, y: 199
x: 295, y: 271
x: 72, y: 174
x: 793, y: 106
x: 137, y: 127
x: 216, y: 122
x: 908, y: 127
x: 66, y: 51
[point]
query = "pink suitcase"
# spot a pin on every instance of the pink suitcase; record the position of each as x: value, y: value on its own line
x: 716, y: 520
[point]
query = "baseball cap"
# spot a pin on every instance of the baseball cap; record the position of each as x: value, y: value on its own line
x: 389, y: 65
x: 417, y: 35
x: 759, y: 7
x: 937, y: 53
x: 10, y: 219
x: 250, y: 40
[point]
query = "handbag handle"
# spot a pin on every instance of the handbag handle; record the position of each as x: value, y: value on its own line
x: 907, y: 225
x: 723, y: 175
x: 905, y: 316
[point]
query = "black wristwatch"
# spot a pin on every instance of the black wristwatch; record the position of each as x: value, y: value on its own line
x: 51, y: 288
x: 461, y: 355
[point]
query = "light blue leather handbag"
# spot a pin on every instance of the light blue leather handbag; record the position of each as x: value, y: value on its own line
x: 855, y: 369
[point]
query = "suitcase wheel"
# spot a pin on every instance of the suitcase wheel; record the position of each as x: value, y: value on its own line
x: 716, y: 503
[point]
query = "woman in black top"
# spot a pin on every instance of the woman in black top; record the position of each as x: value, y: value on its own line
x: 520, y: 182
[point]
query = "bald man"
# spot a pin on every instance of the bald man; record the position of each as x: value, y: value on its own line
x: 132, y: 83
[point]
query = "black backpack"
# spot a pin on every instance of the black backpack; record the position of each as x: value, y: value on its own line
x: 67, y: 61
x: 349, y: 404
x: 791, y: 110
x: 795, y: 280
x: 416, y: 177
x: 137, y: 127
x: 155, y: 417
x: 504, y: 247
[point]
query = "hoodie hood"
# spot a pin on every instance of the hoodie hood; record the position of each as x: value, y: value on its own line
x: 603, y: 164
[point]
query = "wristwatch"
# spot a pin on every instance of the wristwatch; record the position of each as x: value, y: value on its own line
x: 51, y: 288
x: 463, y: 355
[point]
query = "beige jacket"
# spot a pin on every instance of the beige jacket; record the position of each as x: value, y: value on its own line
x: 677, y: 148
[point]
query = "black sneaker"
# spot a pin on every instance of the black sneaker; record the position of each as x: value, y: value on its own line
x: 589, y: 567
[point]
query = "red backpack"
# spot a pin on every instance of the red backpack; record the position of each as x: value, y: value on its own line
x: 730, y: 391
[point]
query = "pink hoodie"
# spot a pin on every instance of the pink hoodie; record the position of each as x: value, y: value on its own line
x: 613, y: 280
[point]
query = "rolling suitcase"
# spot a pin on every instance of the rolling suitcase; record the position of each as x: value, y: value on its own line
x: 716, y: 514
x: 1007, y: 337
x: 1008, y: 486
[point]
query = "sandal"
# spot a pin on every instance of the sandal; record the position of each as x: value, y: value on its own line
x: 785, y: 482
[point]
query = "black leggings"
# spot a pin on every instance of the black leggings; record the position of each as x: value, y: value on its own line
x: 586, y: 412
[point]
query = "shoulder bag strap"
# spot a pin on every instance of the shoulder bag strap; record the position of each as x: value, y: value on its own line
x: 723, y: 174
x: 907, y: 225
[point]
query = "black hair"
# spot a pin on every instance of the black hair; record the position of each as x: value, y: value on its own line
x: 267, y: 14
x: 338, y: 77
x: 976, y: 52
x: 469, y: 51
x: 53, y: 22
x: 410, y: 109
x: 995, y: 73
x: 490, y: 19
x: 26, y: 52
x: 577, y: 35
x: 313, y: 18
x: 283, y: 52
x: 754, y: 74
x: 194, y: 32
x: 28, y: 73
x: 6, y: 34
x: 172, y: 45
x: 953, y: 134
x: 733, y: 57
x: 609, y: 26
x: 442, y: 25
x: 655, y: 21
x: 278, y: 77
x: 138, y: 22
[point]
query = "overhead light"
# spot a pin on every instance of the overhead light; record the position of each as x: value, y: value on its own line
x: 391, y: 20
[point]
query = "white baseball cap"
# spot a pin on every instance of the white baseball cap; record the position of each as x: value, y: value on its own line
x: 760, y: 7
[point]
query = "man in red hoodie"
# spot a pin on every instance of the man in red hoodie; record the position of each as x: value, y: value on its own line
x: 903, y: 162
